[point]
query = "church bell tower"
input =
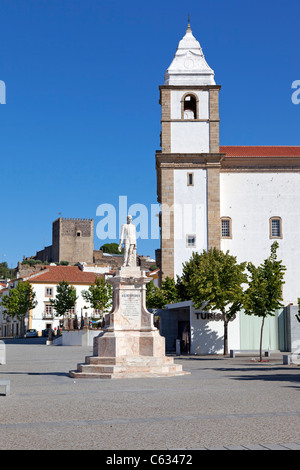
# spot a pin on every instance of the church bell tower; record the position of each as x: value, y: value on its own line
x: 188, y: 164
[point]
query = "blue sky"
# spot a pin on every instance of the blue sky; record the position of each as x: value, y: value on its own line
x: 81, y: 122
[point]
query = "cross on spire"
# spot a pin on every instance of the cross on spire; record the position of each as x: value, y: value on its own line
x: 189, y: 20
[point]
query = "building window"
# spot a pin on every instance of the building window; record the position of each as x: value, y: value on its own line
x: 72, y: 311
x: 78, y: 234
x: 226, y: 227
x: 98, y: 312
x: 48, y: 311
x: 275, y: 227
x: 49, y: 291
x: 189, y: 107
x: 190, y: 179
x: 190, y: 241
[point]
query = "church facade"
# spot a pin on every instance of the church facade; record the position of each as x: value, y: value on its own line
x: 236, y: 198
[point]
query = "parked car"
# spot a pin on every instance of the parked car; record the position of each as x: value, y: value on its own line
x: 31, y: 333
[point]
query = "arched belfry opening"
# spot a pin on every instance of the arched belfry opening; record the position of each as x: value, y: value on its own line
x: 189, y: 107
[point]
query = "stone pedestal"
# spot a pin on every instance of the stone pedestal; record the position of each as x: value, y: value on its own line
x: 130, y: 345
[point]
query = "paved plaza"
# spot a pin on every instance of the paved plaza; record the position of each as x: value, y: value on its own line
x: 222, y: 404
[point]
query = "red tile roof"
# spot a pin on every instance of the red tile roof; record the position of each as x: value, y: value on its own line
x: 71, y: 274
x: 260, y: 151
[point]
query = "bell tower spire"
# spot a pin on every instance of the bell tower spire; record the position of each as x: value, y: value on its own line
x: 189, y: 161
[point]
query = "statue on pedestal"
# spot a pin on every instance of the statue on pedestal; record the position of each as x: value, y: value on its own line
x: 129, y: 345
x: 128, y: 236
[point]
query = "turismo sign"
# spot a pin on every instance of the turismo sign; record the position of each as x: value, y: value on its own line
x: 211, y: 316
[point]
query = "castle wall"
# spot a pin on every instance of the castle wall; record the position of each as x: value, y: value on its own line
x: 76, y: 240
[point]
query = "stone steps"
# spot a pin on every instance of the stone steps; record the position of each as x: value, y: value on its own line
x: 99, y: 369
x: 130, y: 367
x: 129, y: 360
x: 123, y: 375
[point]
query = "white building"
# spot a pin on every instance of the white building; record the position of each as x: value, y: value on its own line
x: 44, y: 284
x: 236, y: 198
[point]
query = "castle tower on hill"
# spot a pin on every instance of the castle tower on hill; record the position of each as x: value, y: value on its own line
x: 188, y: 163
x: 72, y: 241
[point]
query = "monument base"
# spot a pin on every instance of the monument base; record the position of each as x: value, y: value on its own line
x: 129, y: 346
x: 126, y: 367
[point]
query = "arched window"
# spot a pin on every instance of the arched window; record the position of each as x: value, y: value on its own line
x: 189, y: 105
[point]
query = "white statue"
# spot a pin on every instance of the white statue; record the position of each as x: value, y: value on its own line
x: 128, y: 236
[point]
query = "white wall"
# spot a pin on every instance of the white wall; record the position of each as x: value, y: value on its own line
x: 83, y: 337
x: 207, y: 336
x: 190, y: 215
x: 250, y: 199
x: 190, y: 137
x: 176, y: 96
x: 38, y: 320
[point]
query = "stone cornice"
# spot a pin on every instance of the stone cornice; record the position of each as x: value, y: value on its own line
x: 190, y: 120
x: 189, y: 160
x: 257, y: 164
x: 234, y: 164
x: 190, y: 87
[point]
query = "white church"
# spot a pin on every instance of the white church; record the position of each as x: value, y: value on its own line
x: 236, y: 198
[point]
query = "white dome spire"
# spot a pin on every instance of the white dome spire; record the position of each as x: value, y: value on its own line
x: 189, y: 66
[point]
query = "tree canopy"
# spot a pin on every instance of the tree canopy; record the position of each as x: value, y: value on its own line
x: 264, y: 293
x: 19, y: 301
x: 214, y: 280
x: 111, y: 248
x: 168, y: 293
x: 65, y: 299
x: 99, y: 294
x: 5, y: 271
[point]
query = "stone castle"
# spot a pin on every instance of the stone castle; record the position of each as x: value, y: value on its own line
x: 73, y: 241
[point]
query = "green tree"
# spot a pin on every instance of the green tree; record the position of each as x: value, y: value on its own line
x: 159, y: 297
x: 5, y: 271
x: 298, y: 314
x: 65, y: 299
x: 31, y: 262
x: 111, y: 248
x: 154, y: 296
x: 264, y: 294
x: 153, y: 268
x: 213, y: 280
x: 19, y: 301
x: 99, y: 295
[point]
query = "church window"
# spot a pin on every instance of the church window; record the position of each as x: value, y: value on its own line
x: 226, y: 227
x: 190, y: 179
x: 189, y: 110
x: 275, y: 227
x: 190, y: 241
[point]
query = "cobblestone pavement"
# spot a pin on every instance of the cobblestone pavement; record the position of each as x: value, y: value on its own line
x: 222, y: 404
